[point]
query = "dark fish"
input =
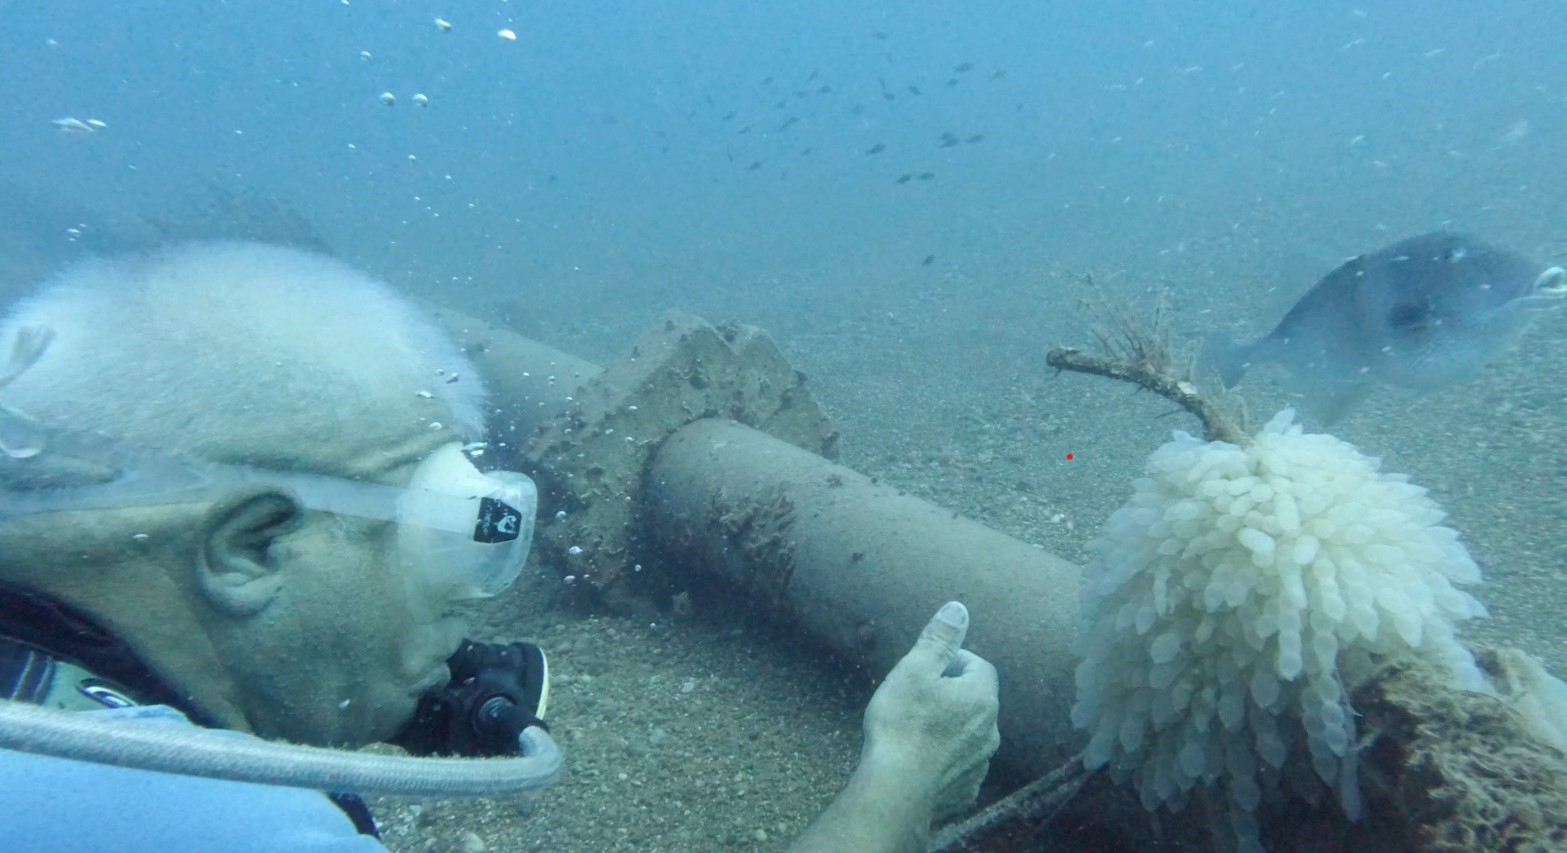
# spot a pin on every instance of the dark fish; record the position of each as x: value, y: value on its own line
x: 858, y: 109
x: 1420, y: 314
x: 978, y: 137
x: 879, y: 35
x: 950, y: 142
x: 755, y: 164
x: 997, y: 75
x: 929, y: 259
x: 876, y: 149
x: 913, y: 90
x: 964, y: 68
x: 905, y: 178
x: 823, y: 90
x: 925, y: 176
x: 791, y: 121
x: 729, y: 116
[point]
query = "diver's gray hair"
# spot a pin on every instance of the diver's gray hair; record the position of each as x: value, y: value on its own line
x: 240, y: 352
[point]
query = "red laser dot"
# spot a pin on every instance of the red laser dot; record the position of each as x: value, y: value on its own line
x: 1069, y: 457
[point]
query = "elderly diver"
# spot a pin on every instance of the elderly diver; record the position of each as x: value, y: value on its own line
x: 236, y: 509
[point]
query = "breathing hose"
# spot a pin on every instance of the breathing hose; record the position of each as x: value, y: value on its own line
x: 172, y: 747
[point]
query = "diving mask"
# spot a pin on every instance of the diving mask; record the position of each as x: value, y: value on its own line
x: 464, y: 533
x: 461, y: 533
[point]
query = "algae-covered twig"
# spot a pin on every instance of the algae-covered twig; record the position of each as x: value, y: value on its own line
x: 1139, y: 352
x: 1037, y: 802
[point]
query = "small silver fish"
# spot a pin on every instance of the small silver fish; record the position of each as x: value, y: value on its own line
x: 1420, y: 314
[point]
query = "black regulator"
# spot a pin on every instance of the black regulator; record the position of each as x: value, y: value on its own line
x: 495, y: 692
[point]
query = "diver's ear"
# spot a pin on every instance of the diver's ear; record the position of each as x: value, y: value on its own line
x: 238, y: 574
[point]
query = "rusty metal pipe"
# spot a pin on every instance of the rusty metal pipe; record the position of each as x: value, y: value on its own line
x: 858, y: 564
x: 862, y: 566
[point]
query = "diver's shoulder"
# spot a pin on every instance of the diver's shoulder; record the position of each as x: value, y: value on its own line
x: 62, y: 806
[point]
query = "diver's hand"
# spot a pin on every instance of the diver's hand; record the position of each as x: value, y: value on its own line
x: 929, y: 733
x: 934, y: 718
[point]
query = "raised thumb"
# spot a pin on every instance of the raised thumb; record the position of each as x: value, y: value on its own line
x: 943, y: 635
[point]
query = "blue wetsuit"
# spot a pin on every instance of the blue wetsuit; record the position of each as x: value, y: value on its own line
x: 51, y: 656
x: 54, y: 805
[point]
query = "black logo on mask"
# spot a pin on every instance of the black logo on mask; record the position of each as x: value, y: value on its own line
x: 498, y: 522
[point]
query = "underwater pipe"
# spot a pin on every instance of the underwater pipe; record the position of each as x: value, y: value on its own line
x: 861, y: 566
x: 156, y: 744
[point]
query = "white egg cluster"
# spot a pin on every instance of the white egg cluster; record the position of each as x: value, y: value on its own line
x: 1237, y: 593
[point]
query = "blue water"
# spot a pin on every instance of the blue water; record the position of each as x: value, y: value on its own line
x: 593, y: 153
